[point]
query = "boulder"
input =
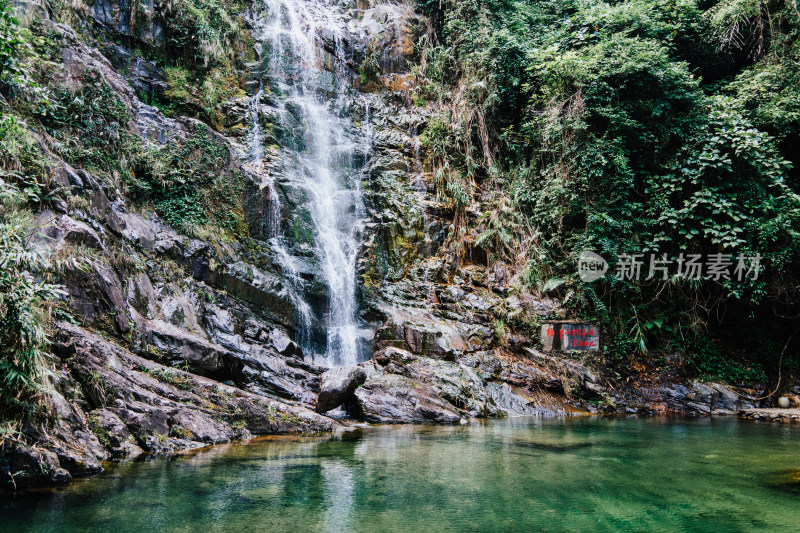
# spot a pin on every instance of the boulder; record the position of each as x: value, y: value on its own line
x: 337, y: 386
x: 84, y: 453
x: 113, y: 433
x: 422, y: 334
x: 276, y: 384
x: 29, y: 467
x: 63, y: 230
x: 396, y: 399
x: 457, y: 383
x: 707, y: 397
x: 284, y: 345
x: 133, y: 227
x: 390, y: 354
x: 200, y: 427
x: 144, y: 420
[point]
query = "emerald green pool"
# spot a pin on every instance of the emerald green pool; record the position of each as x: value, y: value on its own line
x: 525, y: 474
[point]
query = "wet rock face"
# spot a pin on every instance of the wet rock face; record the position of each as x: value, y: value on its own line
x: 97, y: 296
x: 397, y: 399
x: 383, y: 38
x: 110, y: 402
x: 117, y: 17
x: 284, y: 345
x: 61, y: 231
x: 337, y: 386
x: 197, y: 353
x: 146, y: 77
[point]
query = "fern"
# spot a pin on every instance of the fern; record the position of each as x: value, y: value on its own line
x: 23, y: 306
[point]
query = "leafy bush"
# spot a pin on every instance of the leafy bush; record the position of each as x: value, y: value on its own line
x: 622, y: 128
x: 189, y: 183
x: 9, y: 40
x: 90, y: 125
x: 23, y: 309
x: 200, y: 94
x: 203, y: 31
x: 24, y: 298
x: 708, y: 363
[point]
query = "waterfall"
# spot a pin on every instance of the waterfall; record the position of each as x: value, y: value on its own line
x: 317, y: 150
x: 255, y: 158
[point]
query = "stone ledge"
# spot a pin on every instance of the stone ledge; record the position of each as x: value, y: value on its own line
x: 777, y: 414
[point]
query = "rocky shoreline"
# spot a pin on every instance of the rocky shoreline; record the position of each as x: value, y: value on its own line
x: 771, y: 414
x: 111, y: 404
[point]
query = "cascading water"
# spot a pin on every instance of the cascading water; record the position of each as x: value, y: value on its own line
x: 255, y: 156
x: 318, y: 153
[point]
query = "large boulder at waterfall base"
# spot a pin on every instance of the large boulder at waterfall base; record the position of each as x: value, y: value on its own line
x: 396, y: 399
x: 337, y: 386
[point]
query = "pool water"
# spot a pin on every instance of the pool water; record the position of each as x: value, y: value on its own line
x: 521, y: 474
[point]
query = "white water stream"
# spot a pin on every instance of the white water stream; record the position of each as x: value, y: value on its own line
x: 311, y: 102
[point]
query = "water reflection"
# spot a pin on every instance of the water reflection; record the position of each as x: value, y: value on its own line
x: 518, y: 474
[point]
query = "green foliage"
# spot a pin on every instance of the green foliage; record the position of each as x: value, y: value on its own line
x: 203, y: 31
x: 189, y: 183
x: 739, y: 25
x: 90, y: 125
x: 9, y: 39
x: 449, y: 159
x: 23, y: 308
x: 200, y: 93
x: 100, y: 432
x: 205, y: 39
x: 201, y: 55
x: 22, y: 160
x: 727, y: 191
x: 24, y: 298
x: 170, y: 375
x: 643, y: 126
x: 707, y: 362
x: 770, y: 94
x: 371, y: 65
